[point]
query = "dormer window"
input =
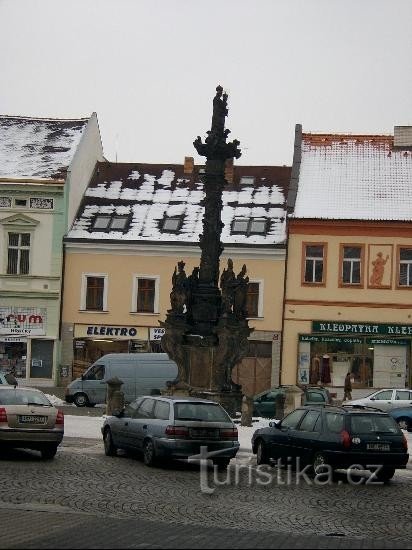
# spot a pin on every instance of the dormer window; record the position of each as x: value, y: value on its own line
x: 250, y: 226
x: 110, y: 223
x: 172, y: 224
x: 247, y: 180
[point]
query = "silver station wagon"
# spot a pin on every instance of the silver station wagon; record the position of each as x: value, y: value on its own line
x: 172, y: 428
x: 29, y: 421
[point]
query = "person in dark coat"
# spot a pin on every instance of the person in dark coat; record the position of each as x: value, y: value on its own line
x: 348, y: 388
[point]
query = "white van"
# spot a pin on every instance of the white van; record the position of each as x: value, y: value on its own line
x: 141, y: 374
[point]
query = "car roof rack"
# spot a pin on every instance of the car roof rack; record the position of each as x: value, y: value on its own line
x: 360, y: 407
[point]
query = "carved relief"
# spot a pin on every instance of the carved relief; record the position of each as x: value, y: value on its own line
x: 380, y: 266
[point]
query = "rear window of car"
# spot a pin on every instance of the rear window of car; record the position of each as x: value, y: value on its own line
x: 204, y: 412
x: 369, y: 423
x: 23, y: 397
x: 334, y: 422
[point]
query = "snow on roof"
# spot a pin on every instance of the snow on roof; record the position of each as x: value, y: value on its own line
x: 36, y: 147
x: 147, y: 193
x: 354, y: 177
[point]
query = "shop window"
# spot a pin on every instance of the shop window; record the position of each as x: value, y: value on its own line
x: 405, y: 267
x: 94, y: 292
x: 314, y: 257
x: 18, y: 260
x: 146, y: 295
x: 351, y: 265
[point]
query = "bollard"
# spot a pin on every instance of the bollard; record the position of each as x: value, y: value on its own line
x: 247, y: 411
x: 115, y: 397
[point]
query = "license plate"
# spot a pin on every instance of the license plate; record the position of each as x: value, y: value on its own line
x: 203, y: 434
x: 32, y: 419
x: 378, y: 447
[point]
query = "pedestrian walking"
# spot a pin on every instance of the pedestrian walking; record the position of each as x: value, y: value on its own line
x: 348, y: 388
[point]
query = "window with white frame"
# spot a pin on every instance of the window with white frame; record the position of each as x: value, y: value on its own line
x: 145, y: 294
x: 314, y: 263
x: 18, y: 253
x: 405, y: 267
x: 249, y: 226
x: 351, y: 265
x: 94, y: 292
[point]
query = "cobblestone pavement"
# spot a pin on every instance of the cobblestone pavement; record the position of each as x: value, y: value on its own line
x: 83, y: 483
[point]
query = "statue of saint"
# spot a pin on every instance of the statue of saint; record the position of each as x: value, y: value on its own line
x: 179, y: 289
x: 227, y: 285
x: 378, y: 270
x: 192, y: 284
x: 240, y: 295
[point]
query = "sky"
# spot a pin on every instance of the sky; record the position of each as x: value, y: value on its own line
x: 149, y: 69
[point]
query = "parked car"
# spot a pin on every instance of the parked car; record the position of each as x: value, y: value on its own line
x: 29, y: 421
x: 335, y: 436
x: 403, y: 417
x: 172, y: 428
x: 385, y: 400
x: 265, y: 403
x: 141, y: 373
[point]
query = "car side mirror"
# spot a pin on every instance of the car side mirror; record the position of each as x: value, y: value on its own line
x: 118, y: 413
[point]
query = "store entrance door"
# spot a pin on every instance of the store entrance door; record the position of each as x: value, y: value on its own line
x: 389, y: 366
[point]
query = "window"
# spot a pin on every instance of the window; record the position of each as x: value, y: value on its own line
x: 111, y: 223
x: 18, y: 262
x: 314, y: 264
x: 293, y: 419
x: 367, y: 424
x: 145, y: 410
x: 94, y: 292
x: 351, y: 265
x: 334, y: 422
x: 145, y: 294
x: 162, y: 410
x: 315, y: 397
x: 310, y: 422
x: 95, y: 373
x: 20, y: 203
x: 172, y: 224
x: 252, y: 300
x: 405, y: 267
x: 403, y: 395
x: 384, y: 396
x: 247, y: 180
x: 249, y: 226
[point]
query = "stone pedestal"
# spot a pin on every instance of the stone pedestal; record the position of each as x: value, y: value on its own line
x: 115, y: 397
x: 293, y: 398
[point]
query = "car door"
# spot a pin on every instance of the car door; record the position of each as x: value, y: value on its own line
x: 284, y: 443
x: 139, y: 424
x: 120, y: 426
x: 382, y: 400
x: 265, y: 405
x: 93, y: 384
x: 403, y: 398
x: 304, y: 440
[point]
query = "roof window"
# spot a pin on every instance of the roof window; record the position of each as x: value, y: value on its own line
x: 249, y: 226
x: 111, y: 223
x: 247, y: 180
x: 172, y: 224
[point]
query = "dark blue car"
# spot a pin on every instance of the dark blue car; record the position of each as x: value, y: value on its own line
x: 403, y: 417
x: 339, y: 437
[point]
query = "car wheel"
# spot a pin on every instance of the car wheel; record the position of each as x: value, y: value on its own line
x: 262, y: 457
x: 110, y: 448
x: 385, y: 474
x: 81, y: 400
x: 221, y: 463
x: 49, y: 452
x: 404, y: 424
x: 149, y: 453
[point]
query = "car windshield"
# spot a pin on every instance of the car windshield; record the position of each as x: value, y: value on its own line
x: 23, y: 397
x: 203, y: 412
x: 369, y: 423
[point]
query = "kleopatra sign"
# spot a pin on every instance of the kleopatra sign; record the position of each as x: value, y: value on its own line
x: 366, y: 329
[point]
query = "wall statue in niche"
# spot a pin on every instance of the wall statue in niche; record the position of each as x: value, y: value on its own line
x: 380, y: 266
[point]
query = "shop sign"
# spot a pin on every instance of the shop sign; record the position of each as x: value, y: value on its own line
x: 20, y: 321
x: 387, y: 342
x: 80, y: 344
x: 361, y: 328
x: 330, y: 339
x: 12, y: 339
x: 156, y: 334
x: 111, y: 332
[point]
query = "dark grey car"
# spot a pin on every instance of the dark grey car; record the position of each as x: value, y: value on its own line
x: 172, y: 428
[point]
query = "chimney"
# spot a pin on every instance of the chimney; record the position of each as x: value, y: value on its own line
x: 403, y: 137
x: 229, y: 171
x: 189, y: 165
